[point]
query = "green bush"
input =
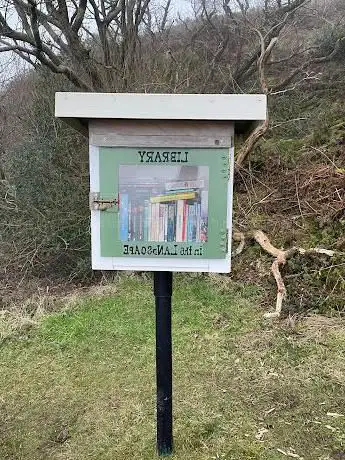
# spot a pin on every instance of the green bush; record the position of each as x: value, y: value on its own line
x: 46, y: 229
x: 315, y: 283
x: 327, y: 38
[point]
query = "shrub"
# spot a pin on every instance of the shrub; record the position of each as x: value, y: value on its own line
x: 327, y: 38
x: 46, y: 219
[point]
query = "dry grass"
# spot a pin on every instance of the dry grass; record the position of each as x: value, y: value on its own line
x: 25, y: 310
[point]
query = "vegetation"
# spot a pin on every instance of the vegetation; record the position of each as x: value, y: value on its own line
x: 82, y: 384
x: 77, y: 370
x: 139, y: 46
x: 45, y: 215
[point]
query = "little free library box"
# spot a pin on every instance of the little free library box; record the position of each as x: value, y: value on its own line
x: 161, y: 176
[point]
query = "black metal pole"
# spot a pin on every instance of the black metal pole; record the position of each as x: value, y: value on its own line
x: 162, y: 291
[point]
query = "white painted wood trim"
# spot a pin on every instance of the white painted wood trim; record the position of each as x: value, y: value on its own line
x: 161, y: 106
x: 230, y: 201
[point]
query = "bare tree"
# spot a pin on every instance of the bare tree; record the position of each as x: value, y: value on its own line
x: 230, y: 46
x: 96, y: 43
x: 92, y: 42
x: 266, y: 47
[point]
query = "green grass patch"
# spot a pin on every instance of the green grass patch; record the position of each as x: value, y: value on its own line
x: 82, y: 385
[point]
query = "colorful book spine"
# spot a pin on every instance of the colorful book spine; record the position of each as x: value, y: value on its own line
x: 190, y: 223
x: 204, y: 216
x: 130, y: 224
x: 173, y: 197
x: 153, y: 220
x: 156, y: 222
x: 166, y: 206
x: 179, y: 221
x: 198, y: 221
x: 180, y: 190
x: 171, y: 222
x: 186, y: 184
x: 146, y: 220
x: 185, y: 219
x: 174, y: 221
x: 194, y: 219
x: 140, y: 223
x: 124, y: 217
x: 161, y: 222
x: 135, y: 222
x: 179, y: 215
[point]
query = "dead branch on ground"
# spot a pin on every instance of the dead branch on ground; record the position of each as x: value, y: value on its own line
x: 280, y: 258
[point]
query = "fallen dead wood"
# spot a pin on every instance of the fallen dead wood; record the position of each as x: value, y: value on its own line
x: 280, y: 256
x: 239, y: 236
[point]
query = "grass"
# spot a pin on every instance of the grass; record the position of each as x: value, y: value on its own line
x: 82, y: 384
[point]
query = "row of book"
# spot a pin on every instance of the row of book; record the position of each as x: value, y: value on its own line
x: 180, y: 216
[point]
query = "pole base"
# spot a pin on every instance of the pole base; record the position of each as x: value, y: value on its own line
x: 165, y: 452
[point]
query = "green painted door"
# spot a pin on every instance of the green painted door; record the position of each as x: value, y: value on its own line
x: 172, y: 202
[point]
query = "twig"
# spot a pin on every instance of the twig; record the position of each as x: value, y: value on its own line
x: 281, y: 123
x: 281, y: 257
x: 323, y: 153
x: 281, y: 290
x: 298, y: 200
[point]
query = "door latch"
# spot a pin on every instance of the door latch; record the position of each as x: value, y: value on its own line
x: 101, y: 204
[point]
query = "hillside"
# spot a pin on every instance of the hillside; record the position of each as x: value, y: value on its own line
x: 76, y: 345
x: 291, y: 187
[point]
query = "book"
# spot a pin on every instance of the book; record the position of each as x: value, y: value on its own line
x: 130, y: 224
x: 185, y: 184
x: 161, y: 222
x: 190, y: 222
x: 146, y: 220
x: 171, y: 212
x: 179, y: 220
x: 171, y: 222
x: 124, y: 216
x: 198, y: 221
x: 156, y: 223
x: 149, y: 236
x: 134, y: 223
x: 166, y: 206
x: 141, y: 223
x: 184, y: 222
x: 155, y: 220
x: 203, y: 215
x: 173, y: 197
x: 194, y: 225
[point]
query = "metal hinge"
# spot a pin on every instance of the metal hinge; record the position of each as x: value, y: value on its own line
x: 224, y: 240
x: 226, y: 170
x: 96, y: 203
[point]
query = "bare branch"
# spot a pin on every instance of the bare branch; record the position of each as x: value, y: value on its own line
x: 265, y: 54
x: 284, y: 14
x: 284, y: 83
x: 116, y: 9
x: 251, y: 141
x: 79, y: 16
x: 23, y: 17
x: 221, y: 48
x: 26, y: 58
x: 165, y: 15
x: 34, y: 26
